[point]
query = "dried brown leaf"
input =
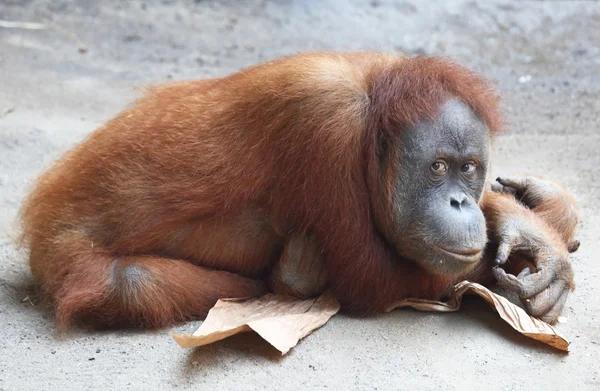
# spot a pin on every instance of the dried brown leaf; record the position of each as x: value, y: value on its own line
x: 281, y: 321
x: 515, y: 316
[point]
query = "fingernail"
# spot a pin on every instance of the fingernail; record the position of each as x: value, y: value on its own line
x: 498, y: 261
x: 524, y: 273
x: 574, y: 246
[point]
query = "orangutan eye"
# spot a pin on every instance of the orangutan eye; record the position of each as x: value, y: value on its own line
x: 468, y: 168
x: 439, y: 167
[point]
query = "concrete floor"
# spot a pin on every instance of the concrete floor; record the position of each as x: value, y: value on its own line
x: 545, y: 56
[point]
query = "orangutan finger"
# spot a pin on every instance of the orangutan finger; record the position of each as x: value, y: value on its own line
x: 545, y: 300
x: 524, y: 273
x: 517, y: 183
x: 498, y: 188
x: 507, y: 282
x: 573, y: 246
x: 552, y: 316
x: 536, y: 282
x: 504, y: 250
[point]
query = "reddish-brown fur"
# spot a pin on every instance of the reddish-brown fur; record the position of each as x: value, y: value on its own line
x: 560, y: 212
x: 187, y: 196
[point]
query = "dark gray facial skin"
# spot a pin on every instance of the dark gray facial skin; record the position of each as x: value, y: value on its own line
x: 443, y: 165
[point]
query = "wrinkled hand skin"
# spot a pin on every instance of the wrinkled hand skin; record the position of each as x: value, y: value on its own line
x: 533, y: 223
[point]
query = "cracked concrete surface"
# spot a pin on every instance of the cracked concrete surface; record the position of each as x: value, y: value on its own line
x: 545, y: 56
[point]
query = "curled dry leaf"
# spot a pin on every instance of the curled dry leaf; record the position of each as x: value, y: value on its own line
x: 281, y: 321
x: 516, y: 317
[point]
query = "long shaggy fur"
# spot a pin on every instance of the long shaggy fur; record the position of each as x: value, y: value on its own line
x: 295, y: 138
